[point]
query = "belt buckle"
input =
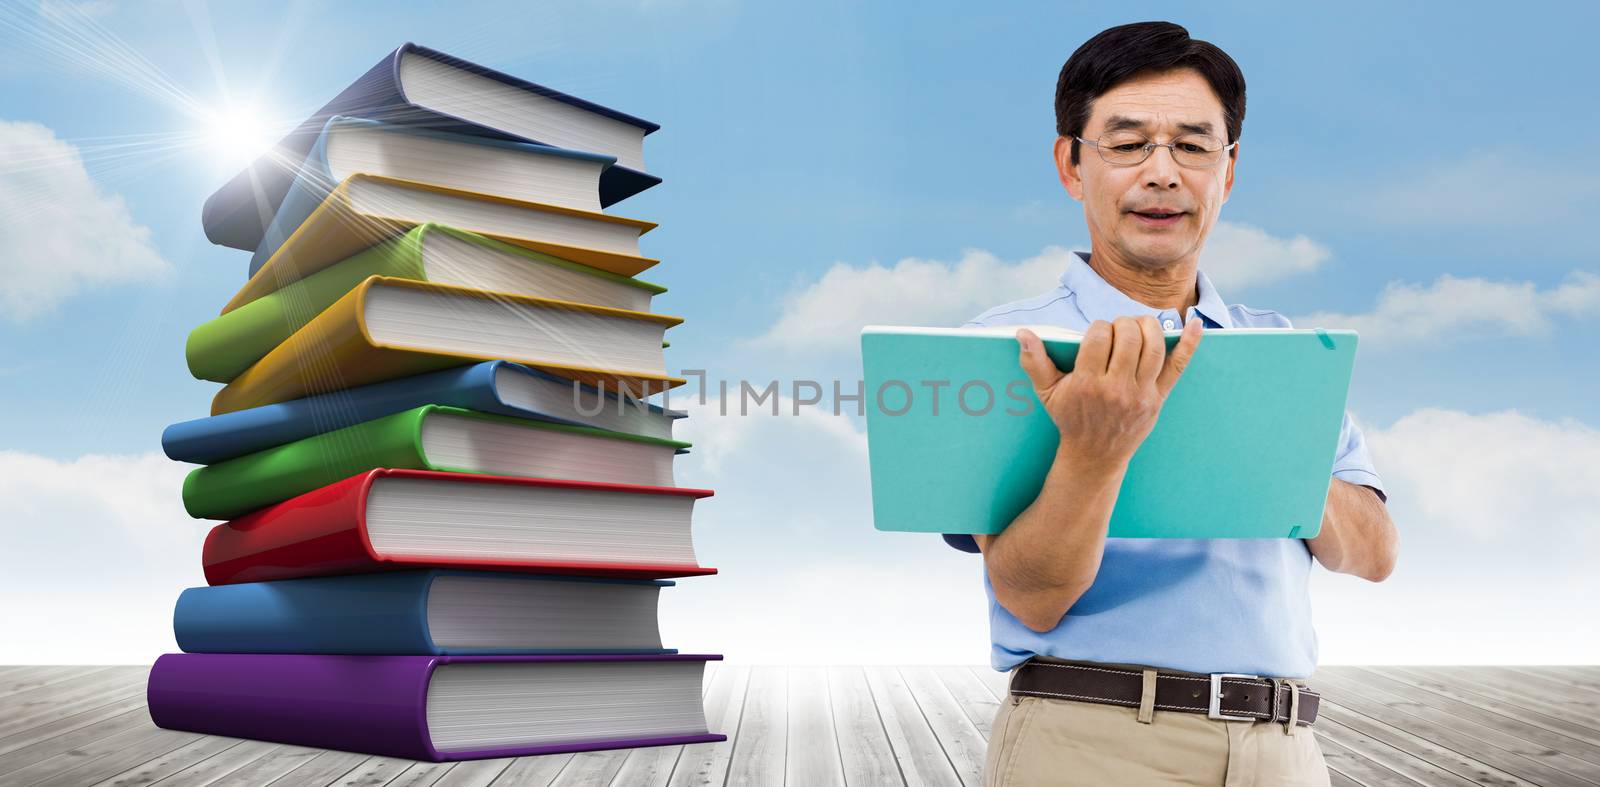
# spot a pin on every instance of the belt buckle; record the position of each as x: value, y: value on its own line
x: 1214, y: 709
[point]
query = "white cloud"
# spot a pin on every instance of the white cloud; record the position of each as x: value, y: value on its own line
x: 722, y: 429
x: 1407, y: 312
x: 97, y: 550
x: 827, y: 315
x: 805, y: 577
x: 1239, y: 256
x: 1497, y: 513
x: 1499, y: 516
x: 1496, y: 474
x: 912, y: 601
x: 60, y: 232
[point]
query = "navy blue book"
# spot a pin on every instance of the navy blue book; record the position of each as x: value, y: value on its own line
x: 498, y: 387
x: 424, y: 612
x: 520, y: 171
x: 425, y: 88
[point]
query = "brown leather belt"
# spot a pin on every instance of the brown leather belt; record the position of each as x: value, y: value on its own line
x: 1224, y: 696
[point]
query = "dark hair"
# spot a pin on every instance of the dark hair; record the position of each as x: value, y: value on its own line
x: 1118, y: 54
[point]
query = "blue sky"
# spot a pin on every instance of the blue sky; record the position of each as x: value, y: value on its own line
x: 810, y: 148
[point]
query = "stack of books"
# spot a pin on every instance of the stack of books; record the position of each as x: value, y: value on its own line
x: 449, y: 505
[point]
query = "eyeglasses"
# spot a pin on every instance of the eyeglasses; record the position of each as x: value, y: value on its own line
x: 1190, y: 150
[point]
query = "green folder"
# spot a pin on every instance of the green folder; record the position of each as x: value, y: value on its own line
x: 1244, y: 447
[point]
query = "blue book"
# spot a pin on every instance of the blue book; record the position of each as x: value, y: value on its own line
x: 425, y: 88
x: 957, y: 441
x: 514, y: 170
x: 424, y: 612
x: 498, y: 387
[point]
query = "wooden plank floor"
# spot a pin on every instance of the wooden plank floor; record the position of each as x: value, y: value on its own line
x: 826, y: 726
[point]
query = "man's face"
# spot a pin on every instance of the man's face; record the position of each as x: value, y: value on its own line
x: 1161, y: 107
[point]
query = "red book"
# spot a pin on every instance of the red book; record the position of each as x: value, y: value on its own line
x: 387, y: 520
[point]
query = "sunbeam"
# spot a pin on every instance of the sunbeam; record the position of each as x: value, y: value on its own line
x: 237, y: 135
x: 225, y: 134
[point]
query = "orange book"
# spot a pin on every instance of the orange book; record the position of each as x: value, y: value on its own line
x: 365, y: 210
x: 388, y: 328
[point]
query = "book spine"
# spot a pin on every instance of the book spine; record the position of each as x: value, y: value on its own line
x: 334, y: 352
x: 369, y: 704
x: 238, y: 486
x: 366, y: 614
x: 221, y: 437
x: 224, y: 347
x: 377, y: 94
x: 318, y: 533
x: 311, y: 185
x: 318, y: 358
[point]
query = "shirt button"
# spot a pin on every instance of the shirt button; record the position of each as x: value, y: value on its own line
x: 1166, y: 324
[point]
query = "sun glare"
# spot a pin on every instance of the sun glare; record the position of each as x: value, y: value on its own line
x: 237, y: 135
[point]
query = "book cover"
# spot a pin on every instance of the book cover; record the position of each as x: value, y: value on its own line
x: 227, y: 345
x: 338, y: 229
x: 315, y: 178
x: 372, y: 704
x: 378, y: 613
x: 218, y: 438
x: 237, y: 486
x: 335, y: 351
x: 237, y: 215
x: 323, y: 533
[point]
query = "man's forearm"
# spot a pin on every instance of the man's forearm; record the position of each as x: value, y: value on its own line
x: 1104, y: 408
x: 1357, y: 536
x: 1049, y: 555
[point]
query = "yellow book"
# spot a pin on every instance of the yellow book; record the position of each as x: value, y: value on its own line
x: 365, y: 210
x: 388, y: 328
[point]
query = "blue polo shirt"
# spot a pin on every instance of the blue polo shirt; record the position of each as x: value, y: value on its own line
x: 1200, y: 605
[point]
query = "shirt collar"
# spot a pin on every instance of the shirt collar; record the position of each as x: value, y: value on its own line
x: 1098, y: 300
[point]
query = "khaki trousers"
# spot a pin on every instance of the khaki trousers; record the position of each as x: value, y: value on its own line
x: 1047, y: 741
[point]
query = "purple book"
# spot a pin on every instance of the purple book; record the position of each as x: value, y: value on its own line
x: 436, y: 707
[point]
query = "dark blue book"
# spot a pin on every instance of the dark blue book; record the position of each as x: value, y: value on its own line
x: 498, y: 387
x: 430, y: 611
x: 425, y: 88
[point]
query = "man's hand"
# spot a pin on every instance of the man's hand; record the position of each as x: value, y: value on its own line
x: 1107, y: 405
x: 1049, y: 555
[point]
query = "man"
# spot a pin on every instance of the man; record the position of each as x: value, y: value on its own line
x: 1115, y: 642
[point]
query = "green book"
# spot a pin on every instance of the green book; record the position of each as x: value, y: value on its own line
x: 431, y: 437
x: 1244, y: 446
x: 224, y: 347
